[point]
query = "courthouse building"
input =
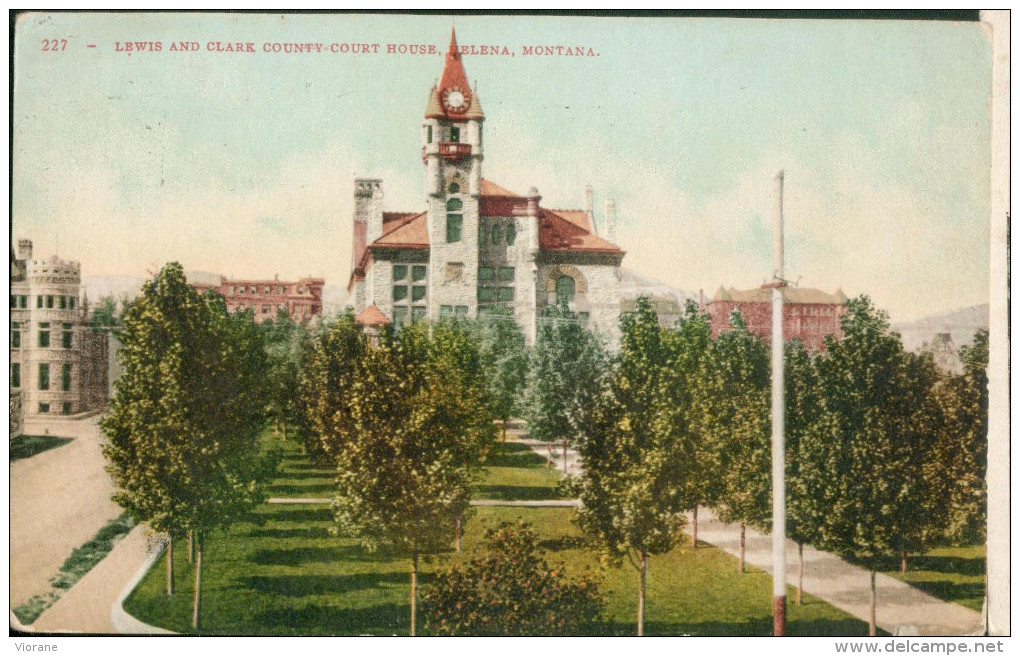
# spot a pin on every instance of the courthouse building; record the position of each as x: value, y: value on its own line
x: 476, y: 245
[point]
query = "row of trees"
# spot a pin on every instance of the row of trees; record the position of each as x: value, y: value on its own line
x: 885, y: 455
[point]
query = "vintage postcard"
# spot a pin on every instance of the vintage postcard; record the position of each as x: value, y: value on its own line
x: 518, y: 325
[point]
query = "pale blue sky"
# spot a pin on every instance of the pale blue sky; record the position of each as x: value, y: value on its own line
x: 243, y: 163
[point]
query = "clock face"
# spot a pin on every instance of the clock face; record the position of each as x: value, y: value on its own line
x: 456, y: 100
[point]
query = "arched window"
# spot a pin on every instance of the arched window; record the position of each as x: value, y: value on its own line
x: 565, y: 289
x: 497, y: 234
x: 454, y: 204
x: 454, y: 188
x: 511, y: 234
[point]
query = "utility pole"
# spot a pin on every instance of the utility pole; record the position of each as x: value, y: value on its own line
x: 778, y: 420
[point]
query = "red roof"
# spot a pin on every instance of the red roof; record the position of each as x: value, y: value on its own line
x: 453, y: 76
x: 557, y: 233
x: 371, y: 316
x: 410, y: 231
x: 493, y: 189
x: 580, y: 218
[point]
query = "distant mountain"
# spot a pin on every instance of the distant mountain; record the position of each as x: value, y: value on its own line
x: 960, y: 324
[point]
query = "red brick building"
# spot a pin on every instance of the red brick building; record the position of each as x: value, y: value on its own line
x: 302, y: 299
x: 808, y: 314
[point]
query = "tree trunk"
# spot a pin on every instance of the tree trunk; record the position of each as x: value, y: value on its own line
x: 741, y: 566
x: 694, y: 528
x: 170, y: 566
x: 191, y: 547
x: 459, y: 535
x: 641, y: 592
x: 196, y: 607
x: 414, y: 591
x: 800, y: 574
x: 874, y: 601
x: 564, y: 457
x: 903, y: 561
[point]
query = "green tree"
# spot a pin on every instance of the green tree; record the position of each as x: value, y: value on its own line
x: 504, y: 358
x: 565, y: 377
x: 330, y: 359
x: 285, y: 345
x: 183, y: 426
x: 689, y: 342
x: 864, y: 455
x: 410, y: 451
x: 634, y: 486
x: 734, y: 399
x: 803, y: 406
x: 511, y: 591
x: 956, y: 414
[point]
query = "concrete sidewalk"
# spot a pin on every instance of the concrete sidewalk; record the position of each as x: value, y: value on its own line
x: 846, y: 586
x: 85, y: 608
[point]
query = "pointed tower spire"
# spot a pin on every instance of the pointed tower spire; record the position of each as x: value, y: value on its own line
x: 453, y: 97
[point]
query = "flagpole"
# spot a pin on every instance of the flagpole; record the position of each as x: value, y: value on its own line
x: 778, y: 420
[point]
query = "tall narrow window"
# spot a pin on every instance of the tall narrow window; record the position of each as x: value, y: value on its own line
x: 455, y: 134
x: 23, y: 302
x: 15, y: 335
x: 44, y: 375
x: 49, y: 302
x: 38, y: 302
x: 66, y: 336
x: 454, y: 205
x: 63, y: 302
x: 44, y: 335
x: 511, y: 233
x: 428, y: 134
x: 418, y: 272
x: 497, y: 235
x: 15, y: 374
x: 565, y: 289
x: 454, y: 223
x: 65, y: 377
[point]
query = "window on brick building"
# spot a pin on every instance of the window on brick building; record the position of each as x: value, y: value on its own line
x: 44, y: 335
x: 16, y: 374
x: 44, y: 376
x: 65, y: 377
x: 15, y: 335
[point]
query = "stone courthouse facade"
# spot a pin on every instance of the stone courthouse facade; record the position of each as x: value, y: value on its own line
x: 476, y: 246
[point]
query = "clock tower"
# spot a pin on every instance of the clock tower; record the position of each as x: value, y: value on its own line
x: 452, y: 154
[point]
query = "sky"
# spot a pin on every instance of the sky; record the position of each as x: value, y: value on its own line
x: 243, y: 163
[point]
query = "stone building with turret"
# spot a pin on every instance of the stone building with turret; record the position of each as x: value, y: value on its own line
x: 476, y: 245
x: 58, y: 364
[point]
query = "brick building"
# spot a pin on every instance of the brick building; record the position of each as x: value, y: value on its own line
x: 808, y: 314
x: 302, y: 300
x: 476, y: 245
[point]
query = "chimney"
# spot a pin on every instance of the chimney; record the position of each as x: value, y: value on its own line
x: 533, y: 221
x: 368, y: 197
x: 24, y: 249
x: 610, y: 219
x: 587, y: 207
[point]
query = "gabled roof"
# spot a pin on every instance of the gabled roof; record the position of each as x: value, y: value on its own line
x: 493, y: 189
x: 556, y: 233
x: 371, y: 316
x: 580, y: 218
x: 411, y: 231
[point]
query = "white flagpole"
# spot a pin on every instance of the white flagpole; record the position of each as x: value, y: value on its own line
x: 778, y: 441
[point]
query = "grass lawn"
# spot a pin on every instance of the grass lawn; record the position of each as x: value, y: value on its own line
x: 282, y: 573
x: 955, y: 574
x: 514, y: 472
x: 26, y: 446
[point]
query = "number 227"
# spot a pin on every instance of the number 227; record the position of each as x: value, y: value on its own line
x: 54, y: 45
